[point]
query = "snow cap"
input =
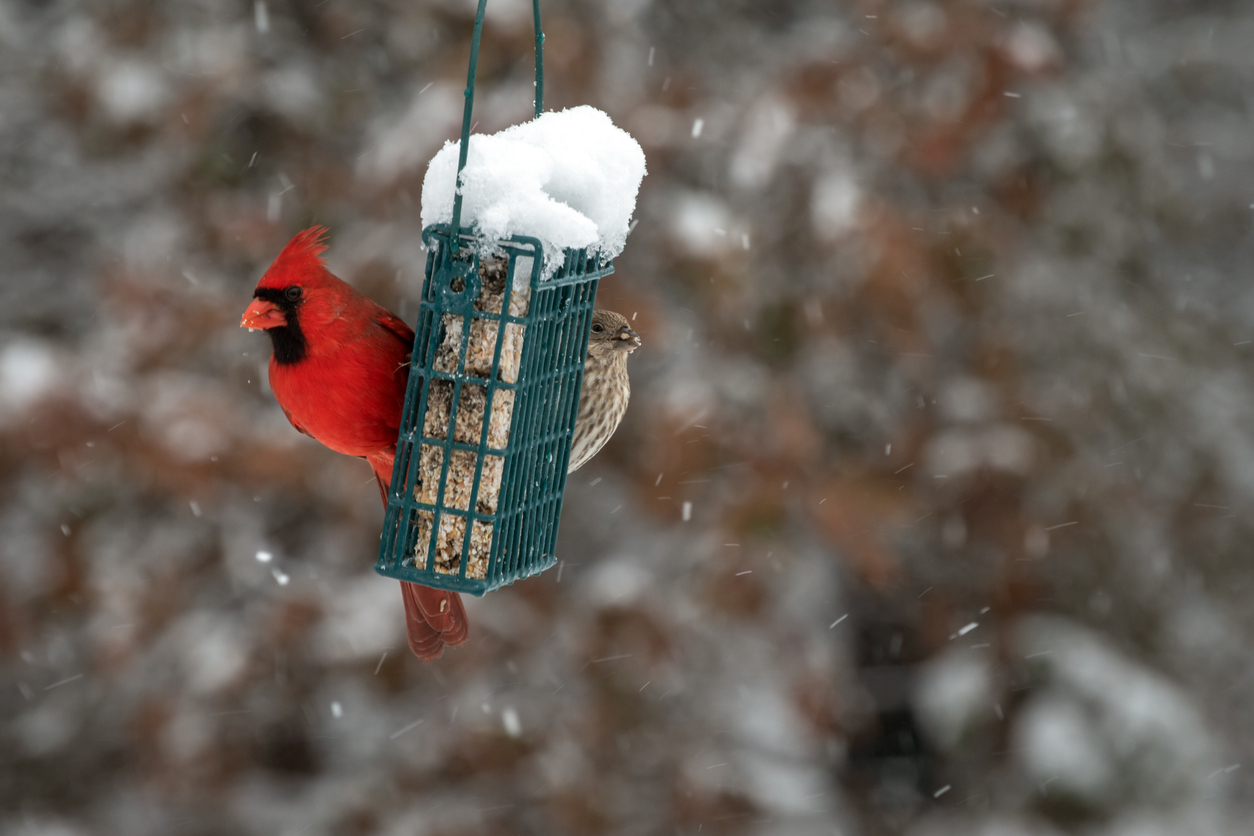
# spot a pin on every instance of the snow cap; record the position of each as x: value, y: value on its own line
x: 569, y: 178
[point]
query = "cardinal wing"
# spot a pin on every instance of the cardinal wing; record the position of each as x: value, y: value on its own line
x: 293, y: 422
x: 395, y: 325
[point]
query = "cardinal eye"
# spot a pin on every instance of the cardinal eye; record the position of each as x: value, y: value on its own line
x: 292, y: 293
x: 597, y: 329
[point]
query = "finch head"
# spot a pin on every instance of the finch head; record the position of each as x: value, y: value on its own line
x: 610, y: 334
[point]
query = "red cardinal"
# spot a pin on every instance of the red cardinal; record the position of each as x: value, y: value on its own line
x: 339, y: 371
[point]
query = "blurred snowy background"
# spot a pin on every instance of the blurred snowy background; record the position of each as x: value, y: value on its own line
x: 948, y: 343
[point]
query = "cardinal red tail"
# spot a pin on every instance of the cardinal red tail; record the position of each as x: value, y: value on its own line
x: 433, y: 618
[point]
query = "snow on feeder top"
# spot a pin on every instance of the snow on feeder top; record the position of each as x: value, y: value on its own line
x: 569, y: 179
x: 514, y: 258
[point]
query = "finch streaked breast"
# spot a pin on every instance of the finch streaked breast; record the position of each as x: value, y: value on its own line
x: 606, y: 389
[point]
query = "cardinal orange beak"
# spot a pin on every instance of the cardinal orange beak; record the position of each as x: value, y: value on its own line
x: 262, y: 314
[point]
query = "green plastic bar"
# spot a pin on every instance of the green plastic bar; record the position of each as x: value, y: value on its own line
x: 535, y: 8
x: 456, y: 225
x: 466, y: 112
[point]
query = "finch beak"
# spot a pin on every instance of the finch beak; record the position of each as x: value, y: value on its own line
x: 262, y: 314
x: 626, y: 340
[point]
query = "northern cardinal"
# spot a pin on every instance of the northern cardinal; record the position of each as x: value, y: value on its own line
x: 603, y: 399
x: 339, y: 371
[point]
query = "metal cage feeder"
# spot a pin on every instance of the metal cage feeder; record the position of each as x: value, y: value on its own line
x: 493, y: 393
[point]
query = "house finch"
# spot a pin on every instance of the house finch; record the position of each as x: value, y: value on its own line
x: 605, y: 386
x: 339, y: 370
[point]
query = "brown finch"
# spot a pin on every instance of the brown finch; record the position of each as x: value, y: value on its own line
x: 606, y: 389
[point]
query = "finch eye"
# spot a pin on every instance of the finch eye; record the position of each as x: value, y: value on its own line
x: 597, y: 329
x: 292, y: 293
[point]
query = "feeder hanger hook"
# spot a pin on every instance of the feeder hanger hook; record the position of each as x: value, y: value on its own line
x: 456, y: 227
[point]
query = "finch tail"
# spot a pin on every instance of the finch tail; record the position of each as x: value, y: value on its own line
x: 434, y: 618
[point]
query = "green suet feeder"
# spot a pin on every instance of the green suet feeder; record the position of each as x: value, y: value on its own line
x: 493, y: 393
